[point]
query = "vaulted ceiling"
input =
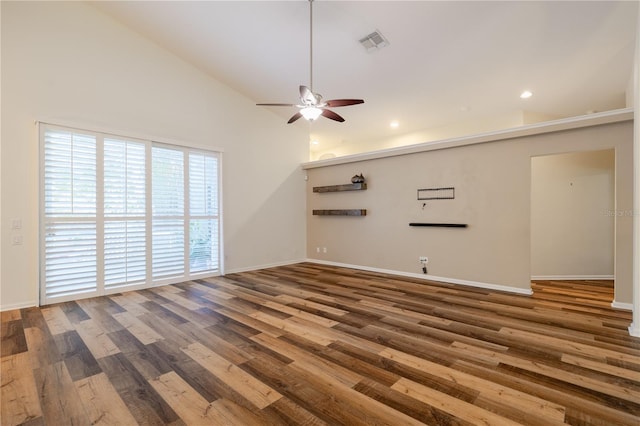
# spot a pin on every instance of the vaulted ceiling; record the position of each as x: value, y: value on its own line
x: 447, y: 62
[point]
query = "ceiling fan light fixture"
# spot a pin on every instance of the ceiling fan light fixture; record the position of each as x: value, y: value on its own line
x: 312, y: 106
x: 311, y: 113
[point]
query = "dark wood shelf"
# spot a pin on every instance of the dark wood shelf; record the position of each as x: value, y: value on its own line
x: 340, y: 212
x: 442, y: 225
x: 340, y: 188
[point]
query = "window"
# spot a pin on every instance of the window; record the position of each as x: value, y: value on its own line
x: 124, y: 213
x: 119, y: 213
x: 203, y: 212
x: 70, y: 236
x: 168, y: 212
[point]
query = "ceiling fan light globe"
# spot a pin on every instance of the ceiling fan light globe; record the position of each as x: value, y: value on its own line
x: 311, y: 113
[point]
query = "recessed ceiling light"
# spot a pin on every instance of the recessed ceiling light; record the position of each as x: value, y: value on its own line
x: 394, y: 124
x: 526, y: 94
x: 314, y: 142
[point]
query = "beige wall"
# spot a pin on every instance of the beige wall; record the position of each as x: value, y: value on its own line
x: 573, y: 215
x: 492, y: 182
x: 67, y: 61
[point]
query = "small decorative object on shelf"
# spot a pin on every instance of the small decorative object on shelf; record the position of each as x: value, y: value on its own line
x: 357, y: 179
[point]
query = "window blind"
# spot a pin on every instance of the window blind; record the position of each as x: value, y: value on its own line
x: 168, y: 212
x: 121, y: 213
x: 70, y: 213
x: 124, y: 212
x: 203, y: 211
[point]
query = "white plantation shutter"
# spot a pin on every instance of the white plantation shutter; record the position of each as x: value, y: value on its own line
x: 124, y: 178
x: 168, y: 182
x: 70, y: 253
x: 203, y: 252
x: 124, y: 213
x: 168, y: 248
x: 168, y: 212
x: 70, y: 174
x: 125, y: 254
x: 118, y: 213
x: 69, y: 220
x: 203, y: 211
x: 203, y: 179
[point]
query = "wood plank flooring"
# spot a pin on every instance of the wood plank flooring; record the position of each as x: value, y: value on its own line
x: 309, y: 344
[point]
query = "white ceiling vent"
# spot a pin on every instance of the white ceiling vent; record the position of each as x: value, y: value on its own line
x: 374, y: 41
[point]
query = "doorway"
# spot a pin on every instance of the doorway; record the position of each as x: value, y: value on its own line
x: 572, y: 218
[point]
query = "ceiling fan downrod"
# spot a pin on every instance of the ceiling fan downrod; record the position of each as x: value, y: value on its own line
x: 311, y: 45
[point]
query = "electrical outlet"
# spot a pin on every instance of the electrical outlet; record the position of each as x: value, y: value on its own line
x: 317, y: 249
x: 423, y: 259
x: 324, y: 249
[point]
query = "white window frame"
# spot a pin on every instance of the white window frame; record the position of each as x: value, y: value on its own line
x: 149, y: 142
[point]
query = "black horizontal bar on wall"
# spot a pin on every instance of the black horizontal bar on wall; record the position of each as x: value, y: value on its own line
x: 442, y: 225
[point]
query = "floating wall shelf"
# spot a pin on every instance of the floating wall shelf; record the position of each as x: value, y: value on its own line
x: 340, y: 188
x: 442, y: 225
x: 341, y: 212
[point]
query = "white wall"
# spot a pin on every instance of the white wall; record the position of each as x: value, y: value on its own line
x: 1, y: 222
x: 573, y: 215
x: 69, y: 62
x: 634, y: 328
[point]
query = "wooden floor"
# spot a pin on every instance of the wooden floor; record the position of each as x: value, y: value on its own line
x: 308, y: 344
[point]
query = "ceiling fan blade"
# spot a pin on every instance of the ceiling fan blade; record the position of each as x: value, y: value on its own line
x: 294, y: 117
x: 289, y: 105
x: 307, y: 96
x: 332, y: 115
x: 343, y: 102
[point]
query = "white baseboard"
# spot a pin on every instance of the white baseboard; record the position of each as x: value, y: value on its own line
x: 634, y: 329
x: 572, y: 277
x: 523, y: 291
x: 12, y: 306
x: 265, y: 266
x: 621, y: 305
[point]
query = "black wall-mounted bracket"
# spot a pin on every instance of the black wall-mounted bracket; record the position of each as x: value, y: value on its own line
x: 441, y: 225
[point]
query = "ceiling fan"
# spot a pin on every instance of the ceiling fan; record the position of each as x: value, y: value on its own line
x: 311, y: 104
